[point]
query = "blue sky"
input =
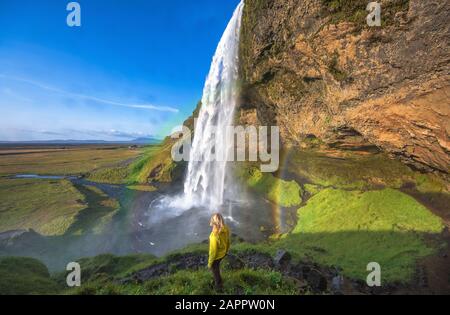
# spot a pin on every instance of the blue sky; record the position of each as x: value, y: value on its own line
x: 134, y: 68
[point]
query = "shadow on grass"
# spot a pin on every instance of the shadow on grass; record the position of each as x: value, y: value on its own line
x: 396, y: 252
x: 99, y: 207
x: 437, y: 202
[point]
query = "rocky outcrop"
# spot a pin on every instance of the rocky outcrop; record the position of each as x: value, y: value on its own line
x: 315, y: 69
x: 161, y: 168
x: 310, y: 276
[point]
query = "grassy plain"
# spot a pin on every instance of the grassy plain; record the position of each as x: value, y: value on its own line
x: 72, y: 160
x: 56, y: 207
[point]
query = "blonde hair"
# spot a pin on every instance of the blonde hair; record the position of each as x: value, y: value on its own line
x: 217, y: 222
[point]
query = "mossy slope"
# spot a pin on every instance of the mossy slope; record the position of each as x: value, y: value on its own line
x: 20, y: 276
x: 350, y: 229
x: 281, y: 192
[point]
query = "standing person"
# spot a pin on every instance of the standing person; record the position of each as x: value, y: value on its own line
x: 219, y: 245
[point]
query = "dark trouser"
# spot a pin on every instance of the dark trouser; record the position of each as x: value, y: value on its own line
x: 215, y: 268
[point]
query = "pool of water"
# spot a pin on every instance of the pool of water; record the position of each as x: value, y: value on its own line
x: 159, y: 230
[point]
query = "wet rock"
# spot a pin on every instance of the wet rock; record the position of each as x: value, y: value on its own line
x: 257, y: 260
x: 282, y: 259
x: 422, y: 277
x: 189, y: 261
x: 151, y: 273
x: 172, y: 265
x: 234, y: 262
x: 336, y: 284
x: 317, y: 281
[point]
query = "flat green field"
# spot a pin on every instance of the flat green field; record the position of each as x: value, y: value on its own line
x: 49, y: 207
x: 56, y: 207
x: 60, y: 161
x: 53, y: 207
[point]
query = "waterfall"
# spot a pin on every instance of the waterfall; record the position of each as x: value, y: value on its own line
x: 206, y: 176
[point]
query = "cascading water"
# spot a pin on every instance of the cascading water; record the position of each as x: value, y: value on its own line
x: 206, y: 177
x: 174, y: 221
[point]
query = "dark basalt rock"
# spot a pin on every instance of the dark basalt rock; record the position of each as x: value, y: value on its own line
x: 282, y: 259
x: 234, y: 262
x: 172, y: 265
x: 257, y: 260
x: 151, y: 273
x: 317, y: 281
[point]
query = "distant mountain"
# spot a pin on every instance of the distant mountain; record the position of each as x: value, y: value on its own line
x: 138, y: 141
x: 146, y: 141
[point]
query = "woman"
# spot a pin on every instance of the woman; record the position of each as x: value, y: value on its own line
x: 219, y: 245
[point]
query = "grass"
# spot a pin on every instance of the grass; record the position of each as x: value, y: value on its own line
x: 350, y: 229
x: 109, y: 266
x: 72, y: 161
x: 429, y: 183
x: 145, y: 188
x: 48, y: 207
x: 155, y: 163
x: 126, y: 174
x: 110, y: 175
x: 281, y: 192
x: 245, y: 281
x: 20, y: 276
x: 352, y: 171
x: 54, y: 208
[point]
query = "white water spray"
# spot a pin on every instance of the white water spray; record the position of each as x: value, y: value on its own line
x: 206, y: 177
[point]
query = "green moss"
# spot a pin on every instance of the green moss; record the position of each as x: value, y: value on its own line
x: 355, y: 11
x: 351, y: 229
x: 429, y: 183
x: 146, y: 188
x: 110, y: 175
x: 312, y: 189
x: 333, y: 66
x: 113, y: 266
x: 359, y: 172
x: 281, y: 192
x: 25, y: 276
x: 48, y: 207
x: 139, y: 171
x: 248, y: 282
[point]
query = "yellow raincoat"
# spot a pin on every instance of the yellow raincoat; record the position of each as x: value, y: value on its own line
x: 219, y: 245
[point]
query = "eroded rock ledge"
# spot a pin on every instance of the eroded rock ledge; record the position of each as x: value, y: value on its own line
x: 314, y: 68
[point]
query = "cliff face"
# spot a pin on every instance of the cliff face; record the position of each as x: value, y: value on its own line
x: 315, y: 69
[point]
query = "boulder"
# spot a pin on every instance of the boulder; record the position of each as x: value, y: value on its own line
x: 282, y: 259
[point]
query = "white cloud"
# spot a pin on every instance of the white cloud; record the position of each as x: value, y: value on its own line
x: 93, y: 98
